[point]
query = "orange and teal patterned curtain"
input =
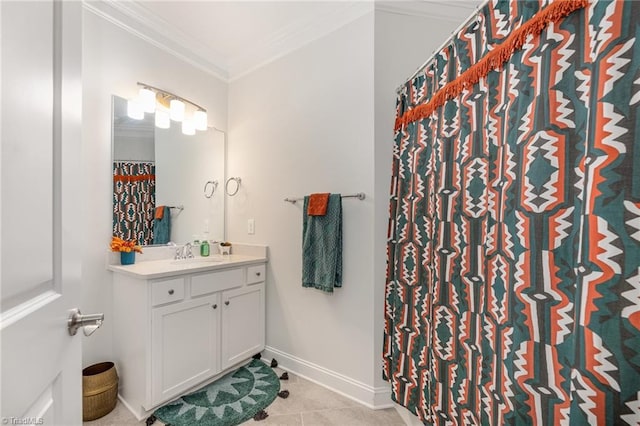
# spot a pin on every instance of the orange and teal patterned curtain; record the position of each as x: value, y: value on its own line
x: 134, y: 201
x: 513, y: 281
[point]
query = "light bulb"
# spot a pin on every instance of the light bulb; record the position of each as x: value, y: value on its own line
x: 200, y: 120
x: 176, y: 110
x: 134, y: 109
x: 187, y: 128
x: 163, y: 120
x: 147, y: 99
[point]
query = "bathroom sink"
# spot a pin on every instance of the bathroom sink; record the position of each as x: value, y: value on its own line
x: 197, y: 260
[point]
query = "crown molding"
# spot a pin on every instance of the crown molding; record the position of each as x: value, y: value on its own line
x: 453, y: 11
x: 297, y: 35
x: 135, y: 18
x: 140, y: 22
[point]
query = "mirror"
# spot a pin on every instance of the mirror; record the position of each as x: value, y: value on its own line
x: 155, y: 167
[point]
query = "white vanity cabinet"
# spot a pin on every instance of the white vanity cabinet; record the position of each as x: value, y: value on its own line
x: 184, y: 346
x: 174, y: 333
x: 242, y: 308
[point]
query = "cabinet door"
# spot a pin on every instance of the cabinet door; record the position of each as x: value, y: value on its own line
x: 184, y: 346
x: 243, y: 324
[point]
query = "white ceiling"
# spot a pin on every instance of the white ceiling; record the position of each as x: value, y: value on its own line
x: 232, y: 38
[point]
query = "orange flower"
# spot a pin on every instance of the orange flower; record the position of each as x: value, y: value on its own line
x: 118, y: 244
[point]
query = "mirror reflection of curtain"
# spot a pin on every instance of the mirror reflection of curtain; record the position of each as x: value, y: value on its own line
x: 134, y: 201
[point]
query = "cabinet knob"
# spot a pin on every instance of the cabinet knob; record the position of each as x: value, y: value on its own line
x: 171, y: 291
x: 215, y: 306
x: 226, y: 303
x: 258, y: 273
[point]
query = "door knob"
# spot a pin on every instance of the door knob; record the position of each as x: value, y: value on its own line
x: 89, y: 323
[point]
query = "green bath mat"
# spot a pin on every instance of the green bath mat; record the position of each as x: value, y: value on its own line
x: 228, y: 401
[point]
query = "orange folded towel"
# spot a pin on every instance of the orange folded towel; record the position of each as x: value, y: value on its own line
x: 318, y: 204
x: 159, y: 212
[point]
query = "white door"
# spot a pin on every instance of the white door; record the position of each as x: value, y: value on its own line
x: 41, y: 103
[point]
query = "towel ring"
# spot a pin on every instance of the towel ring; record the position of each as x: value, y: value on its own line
x: 237, y: 180
x: 214, y: 186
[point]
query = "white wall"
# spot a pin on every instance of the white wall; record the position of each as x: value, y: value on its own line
x: 300, y: 125
x: 305, y: 124
x: 113, y: 61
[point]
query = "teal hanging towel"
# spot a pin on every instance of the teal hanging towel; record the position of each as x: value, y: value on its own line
x: 162, y: 225
x: 322, y: 246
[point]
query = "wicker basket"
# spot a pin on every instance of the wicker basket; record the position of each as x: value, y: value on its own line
x: 99, y: 390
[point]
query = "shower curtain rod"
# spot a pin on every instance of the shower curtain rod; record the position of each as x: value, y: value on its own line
x: 446, y: 42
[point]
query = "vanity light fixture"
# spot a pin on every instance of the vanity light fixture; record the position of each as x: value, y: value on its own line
x: 147, y: 99
x: 200, y: 120
x: 176, y: 110
x: 188, y: 128
x: 167, y: 106
x: 163, y: 119
x: 134, y: 109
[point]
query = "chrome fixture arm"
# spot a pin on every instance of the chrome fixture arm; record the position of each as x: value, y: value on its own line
x: 173, y: 95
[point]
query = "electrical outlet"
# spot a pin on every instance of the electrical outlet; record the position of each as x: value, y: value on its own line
x: 251, y: 226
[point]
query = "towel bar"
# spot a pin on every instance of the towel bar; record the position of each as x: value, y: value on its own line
x: 359, y: 196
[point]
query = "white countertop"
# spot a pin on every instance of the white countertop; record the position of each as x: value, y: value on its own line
x: 169, y: 267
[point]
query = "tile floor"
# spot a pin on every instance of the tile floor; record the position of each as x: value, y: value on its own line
x: 308, y: 404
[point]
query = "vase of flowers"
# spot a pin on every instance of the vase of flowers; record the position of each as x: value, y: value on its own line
x: 127, y: 250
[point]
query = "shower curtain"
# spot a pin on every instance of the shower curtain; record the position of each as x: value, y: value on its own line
x: 134, y: 201
x: 513, y: 280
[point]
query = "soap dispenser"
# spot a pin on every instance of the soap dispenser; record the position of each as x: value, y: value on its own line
x: 204, y: 248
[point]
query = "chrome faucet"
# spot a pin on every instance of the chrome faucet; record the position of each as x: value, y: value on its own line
x: 184, y: 252
x: 188, y: 254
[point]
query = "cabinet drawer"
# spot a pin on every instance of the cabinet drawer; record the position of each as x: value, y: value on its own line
x: 167, y: 291
x: 216, y: 281
x: 255, y: 274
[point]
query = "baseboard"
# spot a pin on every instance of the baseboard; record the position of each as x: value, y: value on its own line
x: 372, y: 397
x: 138, y: 414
